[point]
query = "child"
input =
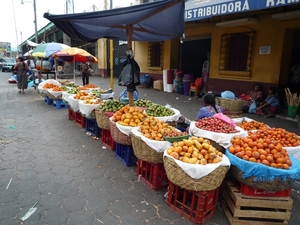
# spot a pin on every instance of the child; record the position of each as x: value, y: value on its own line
x: 269, y: 106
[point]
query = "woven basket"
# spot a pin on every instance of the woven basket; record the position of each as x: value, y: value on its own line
x: 274, y: 185
x: 233, y: 114
x: 117, y: 135
x: 180, y: 178
x: 102, y: 119
x: 230, y: 105
x: 144, y: 152
x: 59, y: 97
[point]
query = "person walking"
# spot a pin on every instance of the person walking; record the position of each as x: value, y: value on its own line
x: 21, y: 69
x: 85, y: 73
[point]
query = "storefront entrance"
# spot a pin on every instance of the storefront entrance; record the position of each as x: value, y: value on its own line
x: 193, y: 55
x: 119, y: 56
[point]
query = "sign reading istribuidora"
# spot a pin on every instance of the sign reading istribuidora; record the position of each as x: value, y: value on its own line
x: 203, y: 9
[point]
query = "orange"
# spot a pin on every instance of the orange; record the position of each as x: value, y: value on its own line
x: 265, y: 162
x: 252, y: 159
x: 246, y: 157
x: 270, y: 159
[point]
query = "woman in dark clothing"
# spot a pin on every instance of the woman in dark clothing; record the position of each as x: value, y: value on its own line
x: 21, y: 70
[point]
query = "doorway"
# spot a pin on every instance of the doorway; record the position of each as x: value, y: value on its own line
x: 193, y: 54
x: 294, y: 72
x: 119, y: 56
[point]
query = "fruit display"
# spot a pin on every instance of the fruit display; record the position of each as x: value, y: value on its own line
x: 195, y: 150
x: 91, y: 100
x: 175, y: 133
x: 72, y: 91
x: 143, y: 103
x: 80, y: 95
x: 57, y: 89
x: 96, y: 92
x: 49, y: 86
x: 158, y: 110
x: 215, y: 125
x: 254, y: 148
x: 90, y: 86
x: 279, y: 135
x: 129, y: 116
x: 111, y: 105
x: 252, y: 125
x: 155, y: 129
x: 71, y: 85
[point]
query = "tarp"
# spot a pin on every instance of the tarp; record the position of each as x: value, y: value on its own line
x: 32, y: 44
x: 203, y: 9
x: 154, y: 21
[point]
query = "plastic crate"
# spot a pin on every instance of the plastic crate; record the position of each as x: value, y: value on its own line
x: 59, y: 104
x: 71, y: 113
x: 153, y: 174
x: 107, y: 140
x: 246, y: 190
x: 80, y: 120
x: 92, y: 127
x: 48, y: 101
x: 195, y: 206
x: 125, y: 154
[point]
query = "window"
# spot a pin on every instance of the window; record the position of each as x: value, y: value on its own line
x: 155, y: 54
x: 236, y: 51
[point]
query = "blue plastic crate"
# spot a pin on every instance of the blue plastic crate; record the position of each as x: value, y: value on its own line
x: 59, y: 104
x: 125, y: 154
x: 48, y: 100
x: 92, y: 127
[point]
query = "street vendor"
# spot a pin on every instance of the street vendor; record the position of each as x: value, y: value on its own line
x: 210, y: 107
x: 269, y: 106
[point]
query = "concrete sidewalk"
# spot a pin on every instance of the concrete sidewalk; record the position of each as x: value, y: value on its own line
x: 46, y: 158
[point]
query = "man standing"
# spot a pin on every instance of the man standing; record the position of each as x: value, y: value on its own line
x: 85, y: 73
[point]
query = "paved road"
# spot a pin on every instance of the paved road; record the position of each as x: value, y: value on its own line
x: 48, y: 159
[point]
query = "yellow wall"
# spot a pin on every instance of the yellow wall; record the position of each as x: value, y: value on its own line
x: 269, y: 32
x: 102, y: 59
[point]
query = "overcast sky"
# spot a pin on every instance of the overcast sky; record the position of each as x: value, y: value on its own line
x: 21, y: 28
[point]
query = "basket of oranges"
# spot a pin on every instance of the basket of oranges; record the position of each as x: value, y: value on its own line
x: 148, y: 141
x: 262, y: 162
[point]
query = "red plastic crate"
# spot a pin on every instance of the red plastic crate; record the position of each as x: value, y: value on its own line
x: 80, y: 120
x: 71, y: 114
x: 246, y: 190
x: 125, y: 154
x: 195, y: 206
x: 153, y: 174
x: 107, y: 140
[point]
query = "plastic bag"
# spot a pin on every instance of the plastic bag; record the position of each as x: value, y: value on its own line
x: 224, y: 118
x: 252, y: 108
x: 126, y: 75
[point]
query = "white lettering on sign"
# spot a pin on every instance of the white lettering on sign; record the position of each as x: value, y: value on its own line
x: 217, y: 9
x: 272, y: 3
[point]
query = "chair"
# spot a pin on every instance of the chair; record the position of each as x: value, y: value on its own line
x: 195, y: 86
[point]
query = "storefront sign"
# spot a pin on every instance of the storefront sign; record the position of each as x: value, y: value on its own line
x: 203, y: 9
x: 264, y: 50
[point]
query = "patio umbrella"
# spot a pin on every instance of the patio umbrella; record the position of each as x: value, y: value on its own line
x: 46, y: 49
x: 74, y: 54
x: 154, y: 21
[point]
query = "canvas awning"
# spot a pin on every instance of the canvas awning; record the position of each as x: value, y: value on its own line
x: 32, y: 44
x: 155, y: 21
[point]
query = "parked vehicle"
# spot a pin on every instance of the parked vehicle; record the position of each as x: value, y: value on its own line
x: 7, y: 64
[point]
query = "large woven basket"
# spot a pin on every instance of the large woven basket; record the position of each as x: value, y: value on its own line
x: 102, y: 119
x: 274, y: 185
x: 232, y: 107
x: 180, y: 178
x: 117, y: 135
x: 144, y: 152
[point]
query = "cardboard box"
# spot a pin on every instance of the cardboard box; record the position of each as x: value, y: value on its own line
x: 158, y: 85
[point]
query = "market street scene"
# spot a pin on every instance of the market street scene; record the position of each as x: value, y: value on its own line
x: 150, y: 112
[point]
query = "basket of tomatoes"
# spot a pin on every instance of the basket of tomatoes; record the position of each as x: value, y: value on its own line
x: 262, y: 162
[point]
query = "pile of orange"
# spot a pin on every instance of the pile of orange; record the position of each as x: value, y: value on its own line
x: 90, y: 86
x: 280, y: 135
x: 129, y: 116
x: 57, y: 89
x: 252, y: 125
x: 49, y: 85
x: 155, y: 129
x: 257, y: 149
x: 80, y: 95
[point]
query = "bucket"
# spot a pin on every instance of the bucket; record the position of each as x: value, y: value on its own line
x: 186, y: 87
x: 178, y: 86
x: 188, y: 77
x: 292, y: 110
x: 298, y: 120
x: 169, y: 76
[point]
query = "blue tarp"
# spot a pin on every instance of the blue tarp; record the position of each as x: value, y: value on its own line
x: 154, y: 21
x: 203, y: 9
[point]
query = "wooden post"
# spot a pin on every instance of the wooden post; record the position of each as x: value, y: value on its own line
x: 129, y: 32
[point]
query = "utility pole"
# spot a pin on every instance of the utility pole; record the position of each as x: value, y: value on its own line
x: 111, y: 57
